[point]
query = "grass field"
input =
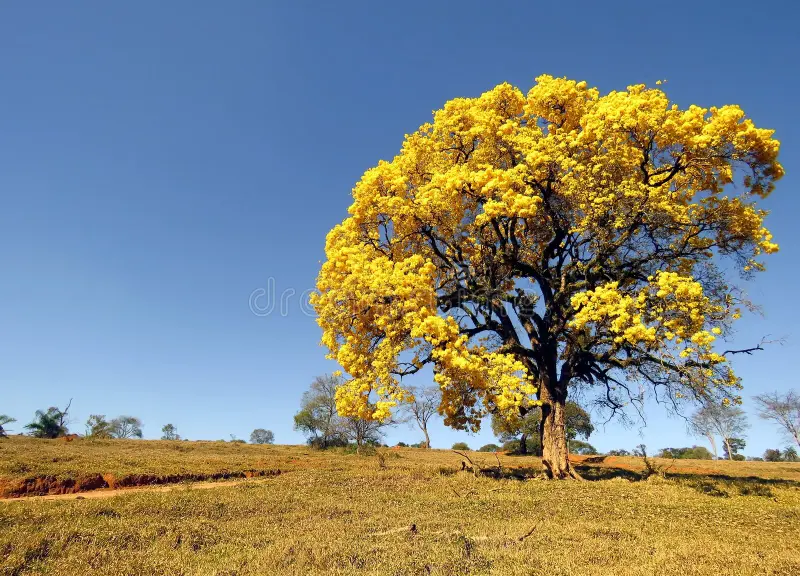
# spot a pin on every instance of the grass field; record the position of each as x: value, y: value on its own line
x: 337, y: 513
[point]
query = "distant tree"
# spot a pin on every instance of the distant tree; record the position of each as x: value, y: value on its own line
x: 317, y: 418
x: 773, y: 455
x: 621, y: 452
x: 754, y: 459
x: 790, y: 454
x: 50, y: 424
x: 460, y: 446
x: 5, y: 419
x: 169, y: 432
x: 783, y: 410
x: 402, y: 445
x: 424, y: 407
x: 526, y: 429
x: 98, y: 427
x: 322, y: 425
x: 687, y: 453
x: 261, y: 436
x: 517, y: 430
x: 489, y: 448
x: 726, y: 421
x: 583, y: 448
x: 733, y: 447
x: 363, y: 432
x: 126, y: 427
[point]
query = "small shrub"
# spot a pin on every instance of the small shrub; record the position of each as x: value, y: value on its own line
x: 710, y: 489
x: 381, y: 455
x: 489, y: 448
x: 460, y: 446
x: 754, y: 490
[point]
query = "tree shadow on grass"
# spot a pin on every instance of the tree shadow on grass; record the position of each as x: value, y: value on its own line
x: 717, y: 485
x: 594, y: 468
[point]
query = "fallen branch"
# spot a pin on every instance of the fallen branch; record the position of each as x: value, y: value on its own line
x: 475, y: 467
x: 528, y: 533
x: 415, y: 531
x: 410, y: 529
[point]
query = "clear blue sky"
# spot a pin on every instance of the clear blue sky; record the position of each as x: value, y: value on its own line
x: 161, y: 161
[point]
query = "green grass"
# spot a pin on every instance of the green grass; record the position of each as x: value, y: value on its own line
x: 332, y: 513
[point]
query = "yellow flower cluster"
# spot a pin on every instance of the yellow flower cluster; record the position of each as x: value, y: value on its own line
x: 670, y: 312
x: 500, y: 164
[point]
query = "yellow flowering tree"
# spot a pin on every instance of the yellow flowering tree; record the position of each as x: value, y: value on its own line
x: 524, y: 244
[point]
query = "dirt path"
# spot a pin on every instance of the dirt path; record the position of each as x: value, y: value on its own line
x: 109, y: 493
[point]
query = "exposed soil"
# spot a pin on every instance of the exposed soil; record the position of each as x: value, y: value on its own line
x: 52, y: 486
x: 109, y: 493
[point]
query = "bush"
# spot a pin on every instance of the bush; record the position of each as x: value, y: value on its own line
x: 460, y: 446
x: 582, y: 448
x: 402, y: 445
x: 534, y: 447
x: 489, y: 448
x: 693, y: 453
x: 320, y: 444
x: 618, y: 453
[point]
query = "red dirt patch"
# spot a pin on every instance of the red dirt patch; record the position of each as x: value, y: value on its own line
x: 47, y: 485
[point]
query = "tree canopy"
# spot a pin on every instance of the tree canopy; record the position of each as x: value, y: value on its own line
x: 98, y: 427
x: 783, y: 410
x: 317, y: 418
x: 690, y: 453
x: 169, y: 432
x: 324, y: 427
x: 727, y: 422
x: 4, y: 420
x: 262, y: 436
x: 422, y: 406
x: 51, y: 423
x: 525, y: 243
x: 126, y: 427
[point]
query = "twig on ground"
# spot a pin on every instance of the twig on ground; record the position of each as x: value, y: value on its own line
x: 528, y: 533
x: 475, y: 467
x: 415, y: 531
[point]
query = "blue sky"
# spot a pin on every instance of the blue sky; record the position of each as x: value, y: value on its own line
x: 161, y: 161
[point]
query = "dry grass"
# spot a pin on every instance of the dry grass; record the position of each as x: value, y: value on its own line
x: 331, y: 513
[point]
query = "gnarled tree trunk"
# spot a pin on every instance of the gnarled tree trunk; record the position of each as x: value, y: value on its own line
x: 553, y: 433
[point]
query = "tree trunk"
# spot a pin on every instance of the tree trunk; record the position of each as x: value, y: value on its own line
x: 728, y: 447
x: 523, y: 444
x: 427, y: 438
x: 713, y: 442
x: 553, y: 432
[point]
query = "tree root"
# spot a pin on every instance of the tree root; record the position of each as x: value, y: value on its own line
x: 570, y: 474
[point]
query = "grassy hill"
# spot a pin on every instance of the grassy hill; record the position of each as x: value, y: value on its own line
x: 402, y: 511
